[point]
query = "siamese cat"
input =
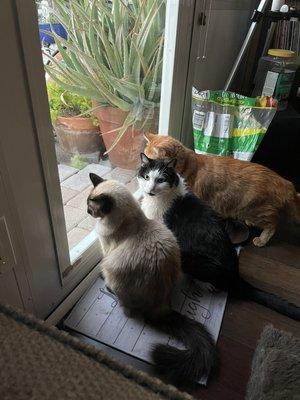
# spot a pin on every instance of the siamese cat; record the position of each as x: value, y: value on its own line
x: 206, y: 249
x: 141, y: 265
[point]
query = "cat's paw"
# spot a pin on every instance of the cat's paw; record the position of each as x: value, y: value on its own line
x: 258, y: 242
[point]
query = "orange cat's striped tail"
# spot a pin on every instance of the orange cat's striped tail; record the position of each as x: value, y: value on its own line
x: 294, y: 208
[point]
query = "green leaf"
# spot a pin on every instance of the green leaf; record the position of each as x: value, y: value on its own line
x: 156, y: 71
x: 81, y: 91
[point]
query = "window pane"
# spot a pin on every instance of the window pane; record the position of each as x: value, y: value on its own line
x: 103, y: 62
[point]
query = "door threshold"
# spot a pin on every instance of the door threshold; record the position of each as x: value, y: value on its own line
x: 66, y: 305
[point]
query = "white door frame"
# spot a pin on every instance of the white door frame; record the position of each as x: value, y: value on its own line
x: 178, y: 35
x: 28, y: 164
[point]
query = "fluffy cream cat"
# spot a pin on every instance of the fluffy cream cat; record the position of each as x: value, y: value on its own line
x: 141, y: 265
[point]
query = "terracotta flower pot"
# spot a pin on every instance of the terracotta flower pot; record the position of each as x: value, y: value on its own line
x: 126, y: 153
x: 78, y: 135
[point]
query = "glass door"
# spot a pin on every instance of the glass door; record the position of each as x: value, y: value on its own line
x: 103, y: 71
x: 93, y: 82
x: 103, y: 62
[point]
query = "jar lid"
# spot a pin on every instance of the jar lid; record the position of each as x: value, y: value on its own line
x: 281, y: 53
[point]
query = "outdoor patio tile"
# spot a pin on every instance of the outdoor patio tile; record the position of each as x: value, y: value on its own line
x: 79, y: 201
x: 65, y: 172
x: 133, y: 185
x: 121, y: 175
x: 106, y: 163
x: 68, y: 194
x: 76, y: 235
x: 88, y: 223
x: 73, y: 216
x: 81, y: 180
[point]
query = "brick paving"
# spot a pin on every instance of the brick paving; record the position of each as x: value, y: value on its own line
x: 75, y: 187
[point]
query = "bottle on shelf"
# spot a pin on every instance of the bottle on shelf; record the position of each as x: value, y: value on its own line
x: 275, y: 76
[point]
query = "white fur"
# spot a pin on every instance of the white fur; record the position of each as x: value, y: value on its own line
x: 150, y: 185
x: 156, y: 206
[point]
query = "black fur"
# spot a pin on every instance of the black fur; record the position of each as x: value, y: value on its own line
x: 96, y: 179
x: 210, y: 256
x: 206, y: 250
x: 100, y: 206
x: 186, y: 366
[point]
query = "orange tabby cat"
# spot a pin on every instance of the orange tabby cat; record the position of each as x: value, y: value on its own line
x: 236, y: 189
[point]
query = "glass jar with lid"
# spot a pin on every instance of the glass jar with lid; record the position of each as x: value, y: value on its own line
x: 275, y: 75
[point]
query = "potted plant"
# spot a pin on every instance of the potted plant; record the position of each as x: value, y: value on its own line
x: 76, y: 129
x: 113, y: 55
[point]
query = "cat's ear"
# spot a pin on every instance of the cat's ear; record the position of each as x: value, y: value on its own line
x: 149, y: 136
x: 144, y: 159
x: 172, y: 163
x: 96, y: 179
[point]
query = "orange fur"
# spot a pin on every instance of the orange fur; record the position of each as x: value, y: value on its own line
x: 237, y: 189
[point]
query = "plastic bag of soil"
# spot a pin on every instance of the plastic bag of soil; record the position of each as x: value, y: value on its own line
x: 229, y: 124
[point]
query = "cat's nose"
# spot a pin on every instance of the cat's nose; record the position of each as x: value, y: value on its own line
x: 90, y: 210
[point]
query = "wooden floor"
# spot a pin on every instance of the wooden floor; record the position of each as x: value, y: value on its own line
x: 275, y: 268
x: 242, y: 325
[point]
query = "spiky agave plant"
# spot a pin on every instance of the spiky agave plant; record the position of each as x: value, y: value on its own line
x: 113, y: 54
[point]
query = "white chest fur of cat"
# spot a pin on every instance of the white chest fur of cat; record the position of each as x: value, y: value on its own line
x: 157, y: 195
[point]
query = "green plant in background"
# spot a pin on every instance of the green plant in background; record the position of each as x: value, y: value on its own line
x: 113, y: 54
x: 77, y: 162
x: 64, y: 103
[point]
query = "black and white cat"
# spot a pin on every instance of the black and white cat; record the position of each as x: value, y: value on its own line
x: 207, y: 252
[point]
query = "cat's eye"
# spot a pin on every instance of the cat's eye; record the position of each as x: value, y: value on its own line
x: 146, y: 177
x: 160, y: 180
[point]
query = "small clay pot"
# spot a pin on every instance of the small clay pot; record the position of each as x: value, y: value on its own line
x: 78, y: 135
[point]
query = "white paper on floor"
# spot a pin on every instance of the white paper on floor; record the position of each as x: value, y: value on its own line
x: 99, y: 316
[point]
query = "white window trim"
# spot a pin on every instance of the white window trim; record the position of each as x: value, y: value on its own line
x: 172, y: 10
x: 87, y: 254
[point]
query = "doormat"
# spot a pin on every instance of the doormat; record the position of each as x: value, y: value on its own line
x: 99, y: 316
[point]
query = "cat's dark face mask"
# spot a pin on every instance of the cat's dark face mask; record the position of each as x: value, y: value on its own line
x: 98, y: 206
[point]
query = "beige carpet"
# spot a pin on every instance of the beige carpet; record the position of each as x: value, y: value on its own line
x: 275, y: 367
x: 37, y: 362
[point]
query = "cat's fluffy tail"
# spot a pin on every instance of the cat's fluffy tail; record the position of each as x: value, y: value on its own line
x: 186, y: 366
x: 269, y: 300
